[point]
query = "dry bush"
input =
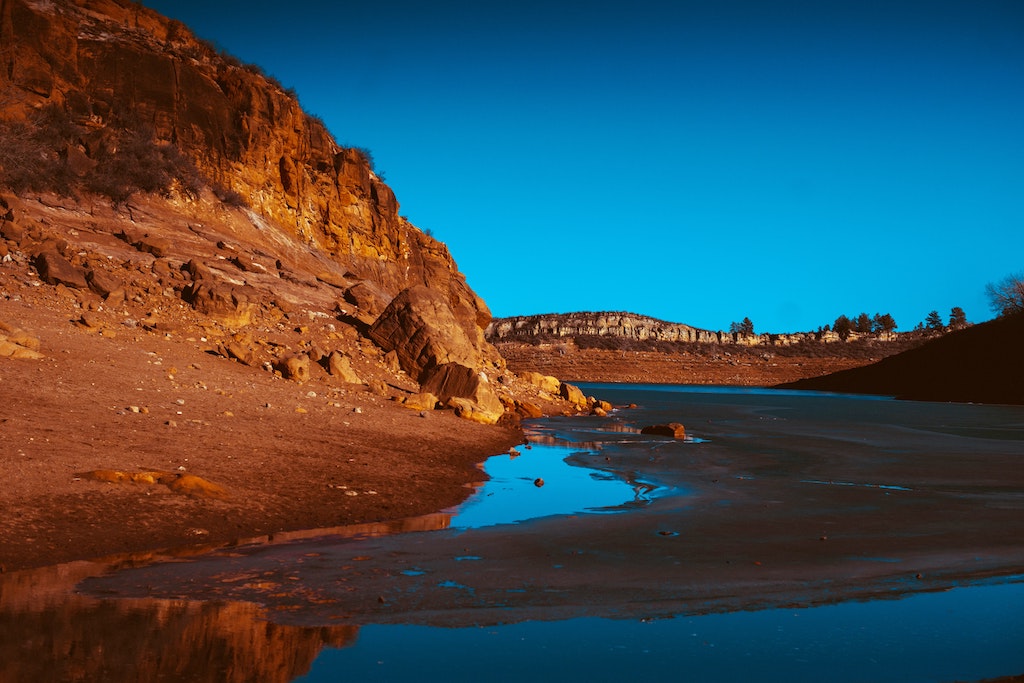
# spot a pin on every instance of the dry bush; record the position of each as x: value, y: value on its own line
x: 34, y: 157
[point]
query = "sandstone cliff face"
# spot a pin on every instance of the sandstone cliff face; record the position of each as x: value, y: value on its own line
x: 104, y: 59
x: 633, y: 327
x: 626, y: 325
x: 319, y: 230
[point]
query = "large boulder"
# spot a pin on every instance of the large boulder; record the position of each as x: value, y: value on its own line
x: 54, y: 269
x: 464, y: 389
x: 421, y: 328
x: 572, y: 394
x: 543, y: 382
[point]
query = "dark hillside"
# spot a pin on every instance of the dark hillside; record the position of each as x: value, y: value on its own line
x: 981, y: 364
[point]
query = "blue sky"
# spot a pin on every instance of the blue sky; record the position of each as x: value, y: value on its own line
x: 699, y: 162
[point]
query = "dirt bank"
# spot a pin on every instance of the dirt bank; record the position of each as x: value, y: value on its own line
x: 131, y: 400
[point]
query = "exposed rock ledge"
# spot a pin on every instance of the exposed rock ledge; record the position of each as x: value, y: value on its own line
x: 630, y: 326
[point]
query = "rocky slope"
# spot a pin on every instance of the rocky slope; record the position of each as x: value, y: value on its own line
x: 213, y: 322
x: 979, y: 364
x: 263, y: 218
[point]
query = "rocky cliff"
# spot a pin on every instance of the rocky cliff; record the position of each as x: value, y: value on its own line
x: 98, y: 59
x: 262, y: 210
x: 629, y: 326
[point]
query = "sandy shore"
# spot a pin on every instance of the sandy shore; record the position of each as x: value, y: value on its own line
x: 287, y: 456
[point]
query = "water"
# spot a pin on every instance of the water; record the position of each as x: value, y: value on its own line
x: 792, y: 536
x: 539, y: 481
x: 964, y: 634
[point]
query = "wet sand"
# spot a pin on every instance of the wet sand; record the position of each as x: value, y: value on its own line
x: 787, y: 501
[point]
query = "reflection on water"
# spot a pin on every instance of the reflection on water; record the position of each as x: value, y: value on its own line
x: 541, y: 481
x: 50, y: 633
x: 959, y: 635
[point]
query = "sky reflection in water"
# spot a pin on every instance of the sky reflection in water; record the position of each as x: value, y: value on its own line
x: 962, y: 634
x: 511, y: 494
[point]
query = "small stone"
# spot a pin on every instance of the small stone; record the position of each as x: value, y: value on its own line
x: 180, y: 401
x: 357, y: 409
x: 171, y: 423
x: 311, y: 394
x: 134, y: 409
x: 300, y: 409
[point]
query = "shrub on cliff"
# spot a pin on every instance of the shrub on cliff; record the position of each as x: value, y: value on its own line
x: 30, y: 156
x: 137, y: 164
x: 48, y: 153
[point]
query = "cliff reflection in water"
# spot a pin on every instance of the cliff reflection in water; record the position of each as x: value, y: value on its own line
x: 49, y: 632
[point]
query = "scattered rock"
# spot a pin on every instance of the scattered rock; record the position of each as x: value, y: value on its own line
x: 243, y: 353
x: 295, y: 367
x: 421, y: 401
x: 104, y: 285
x: 572, y: 394
x: 379, y: 387
x: 157, y: 246
x: 454, y: 381
x: 674, y: 430
x: 543, y: 382
x: 16, y: 343
x: 191, y: 485
x: 224, y: 303
x: 90, y: 320
x: 54, y: 269
x: 528, y: 410
x: 339, y: 366
x: 187, y: 484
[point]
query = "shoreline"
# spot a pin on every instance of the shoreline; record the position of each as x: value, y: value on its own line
x: 289, y: 456
x: 747, y: 530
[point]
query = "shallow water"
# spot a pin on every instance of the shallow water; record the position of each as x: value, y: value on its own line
x: 539, y: 481
x: 961, y: 634
x: 792, y: 536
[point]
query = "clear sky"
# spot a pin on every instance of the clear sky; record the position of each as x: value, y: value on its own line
x: 696, y: 161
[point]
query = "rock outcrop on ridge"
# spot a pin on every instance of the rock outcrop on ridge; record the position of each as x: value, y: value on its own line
x: 635, y: 327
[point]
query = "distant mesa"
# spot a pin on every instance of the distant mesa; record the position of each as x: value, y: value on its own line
x: 634, y: 327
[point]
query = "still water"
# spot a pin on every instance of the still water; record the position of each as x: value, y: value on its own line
x: 958, y: 635
x: 791, y: 536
